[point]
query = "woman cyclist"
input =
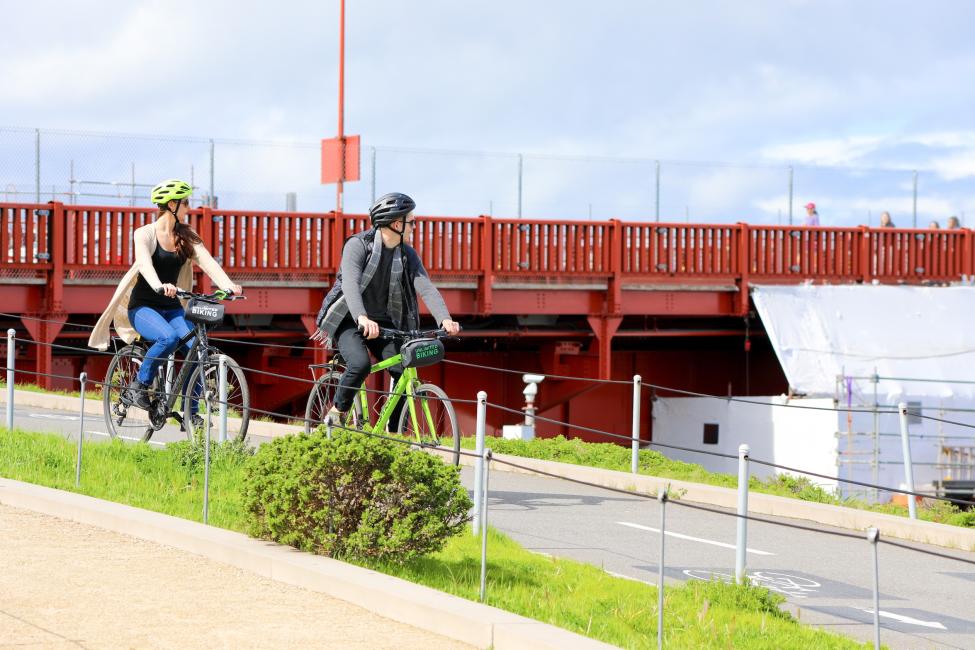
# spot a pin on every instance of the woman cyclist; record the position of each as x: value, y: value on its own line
x: 145, y: 301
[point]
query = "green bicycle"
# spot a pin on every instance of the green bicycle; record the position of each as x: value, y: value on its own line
x: 428, y: 416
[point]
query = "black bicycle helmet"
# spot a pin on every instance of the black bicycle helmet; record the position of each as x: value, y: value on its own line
x: 389, y: 208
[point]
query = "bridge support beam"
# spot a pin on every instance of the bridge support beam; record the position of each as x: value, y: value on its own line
x: 44, y: 331
x: 605, y: 328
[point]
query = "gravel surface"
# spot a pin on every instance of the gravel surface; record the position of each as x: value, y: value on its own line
x: 70, y: 585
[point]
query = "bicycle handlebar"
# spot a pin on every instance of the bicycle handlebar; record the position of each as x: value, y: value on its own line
x: 412, y: 334
x: 217, y: 295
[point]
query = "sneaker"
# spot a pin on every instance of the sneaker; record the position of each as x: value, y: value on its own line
x: 334, y: 417
x: 197, y: 423
x: 136, y: 395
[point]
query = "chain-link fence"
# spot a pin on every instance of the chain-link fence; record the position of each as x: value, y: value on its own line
x: 115, y: 169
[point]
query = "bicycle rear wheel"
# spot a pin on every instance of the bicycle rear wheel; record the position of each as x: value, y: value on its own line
x: 207, y: 378
x: 124, y: 421
x: 321, y: 398
x: 435, y: 423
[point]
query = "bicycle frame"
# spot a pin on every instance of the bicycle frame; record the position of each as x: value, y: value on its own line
x: 199, y: 351
x: 403, y: 388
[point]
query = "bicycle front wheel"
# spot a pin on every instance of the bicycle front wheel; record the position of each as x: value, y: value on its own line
x: 123, y: 420
x: 435, y: 422
x: 207, y: 378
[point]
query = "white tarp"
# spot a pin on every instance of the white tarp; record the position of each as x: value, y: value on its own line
x: 904, y: 332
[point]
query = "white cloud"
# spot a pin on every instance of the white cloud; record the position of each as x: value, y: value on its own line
x: 827, y: 152
x: 127, y: 60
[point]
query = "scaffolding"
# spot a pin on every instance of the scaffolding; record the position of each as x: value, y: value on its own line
x: 955, y: 452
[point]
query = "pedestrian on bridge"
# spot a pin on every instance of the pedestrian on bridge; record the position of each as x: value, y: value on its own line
x: 812, y: 217
x: 144, y: 304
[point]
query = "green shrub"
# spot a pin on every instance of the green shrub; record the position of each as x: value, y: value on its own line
x: 353, y: 496
x: 965, y: 519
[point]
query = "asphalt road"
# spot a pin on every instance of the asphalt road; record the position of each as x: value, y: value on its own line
x: 925, y: 601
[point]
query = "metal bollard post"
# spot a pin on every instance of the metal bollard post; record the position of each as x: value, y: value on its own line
x: 484, y: 524
x: 222, y: 371
x: 83, y: 378
x: 908, y: 467
x: 873, y: 536
x: 11, y: 357
x: 742, y: 536
x: 479, y: 462
x: 662, y: 498
x: 206, y: 460
x: 635, y: 445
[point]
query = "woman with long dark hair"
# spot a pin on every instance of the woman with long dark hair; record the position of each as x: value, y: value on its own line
x: 145, y: 301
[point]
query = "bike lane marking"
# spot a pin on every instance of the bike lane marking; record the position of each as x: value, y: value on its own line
x: 690, y: 538
x: 129, y: 438
x: 906, y: 619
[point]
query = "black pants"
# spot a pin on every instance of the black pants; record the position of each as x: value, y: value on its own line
x: 355, y: 350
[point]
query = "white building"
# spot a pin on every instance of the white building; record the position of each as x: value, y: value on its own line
x: 865, y: 348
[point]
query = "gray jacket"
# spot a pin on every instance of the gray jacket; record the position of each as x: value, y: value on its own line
x: 360, y: 259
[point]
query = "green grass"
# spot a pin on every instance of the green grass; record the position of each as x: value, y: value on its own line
x: 653, y: 463
x: 570, y: 594
x: 90, y: 390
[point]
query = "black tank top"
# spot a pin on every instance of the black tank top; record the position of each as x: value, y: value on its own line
x: 167, y: 267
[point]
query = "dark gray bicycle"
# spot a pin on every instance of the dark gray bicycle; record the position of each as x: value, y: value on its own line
x: 187, y: 390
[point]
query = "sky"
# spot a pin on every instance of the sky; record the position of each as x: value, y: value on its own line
x: 724, y: 97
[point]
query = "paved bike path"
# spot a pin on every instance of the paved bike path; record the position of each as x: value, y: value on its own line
x: 926, y: 602
x: 71, y: 585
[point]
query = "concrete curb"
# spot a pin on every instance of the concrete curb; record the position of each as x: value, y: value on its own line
x: 422, y: 607
x: 925, y: 532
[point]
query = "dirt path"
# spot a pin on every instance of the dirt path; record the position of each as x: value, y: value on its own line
x: 70, y: 585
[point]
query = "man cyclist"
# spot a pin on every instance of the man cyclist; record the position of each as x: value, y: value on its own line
x: 145, y: 301
x: 379, y: 279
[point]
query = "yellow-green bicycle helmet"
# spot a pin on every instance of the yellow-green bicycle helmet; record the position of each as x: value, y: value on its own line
x: 170, y: 190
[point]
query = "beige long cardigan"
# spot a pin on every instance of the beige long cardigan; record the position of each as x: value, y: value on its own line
x: 118, y: 308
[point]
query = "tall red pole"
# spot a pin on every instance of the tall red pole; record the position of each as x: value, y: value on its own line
x: 338, y: 186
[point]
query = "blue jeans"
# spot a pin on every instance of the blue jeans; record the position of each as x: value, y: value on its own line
x: 164, y: 328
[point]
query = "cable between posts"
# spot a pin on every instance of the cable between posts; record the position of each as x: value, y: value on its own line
x: 509, y: 371
x: 568, y: 424
x: 118, y: 352
x: 628, y: 493
x: 273, y: 345
x: 756, y: 460
x: 683, y: 504
x: 861, y: 483
x: 535, y: 372
x: 597, y: 431
x: 609, y: 434
x: 505, y: 370
x: 399, y: 440
x: 46, y: 320
x: 660, y: 387
x: 372, y: 391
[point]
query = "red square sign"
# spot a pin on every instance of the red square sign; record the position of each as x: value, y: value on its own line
x: 334, y: 167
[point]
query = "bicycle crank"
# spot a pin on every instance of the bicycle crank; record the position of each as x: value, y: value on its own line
x: 157, y: 416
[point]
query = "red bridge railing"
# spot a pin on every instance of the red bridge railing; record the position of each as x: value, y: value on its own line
x: 79, y: 242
